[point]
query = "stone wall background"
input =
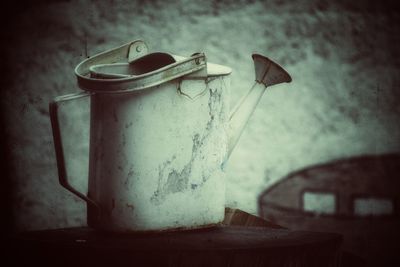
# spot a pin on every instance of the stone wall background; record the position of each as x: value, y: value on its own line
x: 343, y: 101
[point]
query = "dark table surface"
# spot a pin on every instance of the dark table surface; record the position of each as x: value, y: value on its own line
x: 215, y: 246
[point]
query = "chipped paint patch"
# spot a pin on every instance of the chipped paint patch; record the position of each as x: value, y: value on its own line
x: 129, y: 175
x: 172, y: 181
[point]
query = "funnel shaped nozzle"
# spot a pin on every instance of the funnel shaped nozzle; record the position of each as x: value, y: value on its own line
x: 269, y: 72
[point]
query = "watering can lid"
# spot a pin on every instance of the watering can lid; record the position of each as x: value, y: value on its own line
x: 130, y: 68
x: 212, y: 69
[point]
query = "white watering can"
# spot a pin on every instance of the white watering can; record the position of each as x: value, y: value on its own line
x: 160, y: 133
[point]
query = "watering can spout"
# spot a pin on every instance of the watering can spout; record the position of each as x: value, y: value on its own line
x: 267, y: 73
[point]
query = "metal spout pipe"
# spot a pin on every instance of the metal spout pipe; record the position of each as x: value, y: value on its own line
x: 267, y: 73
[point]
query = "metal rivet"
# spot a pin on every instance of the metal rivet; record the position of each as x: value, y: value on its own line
x: 138, y: 48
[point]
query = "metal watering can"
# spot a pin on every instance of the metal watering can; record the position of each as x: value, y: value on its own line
x: 160, y: 133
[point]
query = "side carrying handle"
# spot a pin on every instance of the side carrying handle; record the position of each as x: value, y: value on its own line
x: 58, y: 145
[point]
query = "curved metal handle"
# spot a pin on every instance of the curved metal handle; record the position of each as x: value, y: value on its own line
x: 124, y: 57
x: 58, y: 146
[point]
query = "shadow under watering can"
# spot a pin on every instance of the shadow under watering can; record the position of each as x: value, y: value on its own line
x: 160, y: 131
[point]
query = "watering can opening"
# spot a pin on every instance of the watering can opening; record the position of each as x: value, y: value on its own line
x: 140, y: 66
x: 151, y: 62
x: 154, y: 63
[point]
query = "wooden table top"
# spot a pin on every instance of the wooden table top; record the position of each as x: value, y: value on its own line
x: 213, y: 238
x: 214, y: 246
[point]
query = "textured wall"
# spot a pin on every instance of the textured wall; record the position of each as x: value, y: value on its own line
x: 343, y: 100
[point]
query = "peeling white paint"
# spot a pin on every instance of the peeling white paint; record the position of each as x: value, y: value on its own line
x: 156, y: 157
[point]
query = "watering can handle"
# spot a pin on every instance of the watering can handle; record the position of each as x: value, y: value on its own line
x: 128, y: 53
x: 58, y: 145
